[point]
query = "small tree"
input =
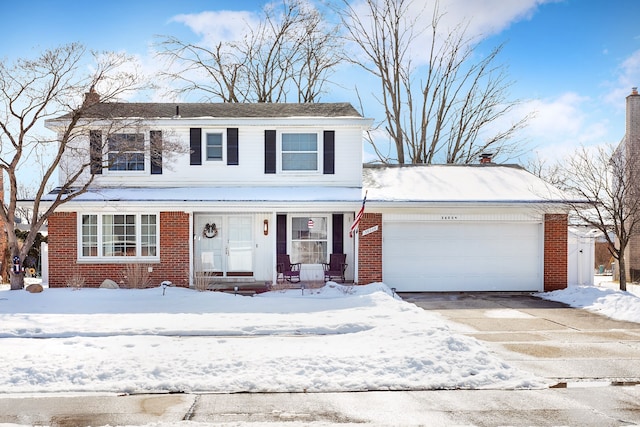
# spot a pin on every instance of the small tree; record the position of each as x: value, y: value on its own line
x: 608, y: 179
x: 32, y: 91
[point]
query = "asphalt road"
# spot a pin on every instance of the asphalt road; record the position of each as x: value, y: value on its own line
x: 593, y: 362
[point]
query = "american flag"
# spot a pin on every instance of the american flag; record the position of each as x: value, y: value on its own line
x: 358, y: 217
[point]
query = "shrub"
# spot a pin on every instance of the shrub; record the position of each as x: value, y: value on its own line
x: 136, y: 276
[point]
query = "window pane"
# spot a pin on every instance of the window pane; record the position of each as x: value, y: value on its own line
x: 214, y: 146
x: 118, y: 235
x: 299, y: 151
x: 148, y: 235
x: 299, y: 142
x: 299, y: 161
x: 126, y: 152
x: 309, y: 239
x: 89, y: 235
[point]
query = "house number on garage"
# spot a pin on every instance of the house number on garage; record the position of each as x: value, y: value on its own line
x: 448, y: 217
x: 370, y: 230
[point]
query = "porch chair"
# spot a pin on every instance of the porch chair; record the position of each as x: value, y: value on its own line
x: 286, y: 270
x: 336, y: 267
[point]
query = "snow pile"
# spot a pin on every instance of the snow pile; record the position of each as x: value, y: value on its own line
x: 330, y: 339
x: 609, y: 302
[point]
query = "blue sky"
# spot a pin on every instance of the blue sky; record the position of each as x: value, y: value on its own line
x: 572, y: 61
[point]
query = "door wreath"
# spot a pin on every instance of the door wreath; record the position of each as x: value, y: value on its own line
x: 210, y: 230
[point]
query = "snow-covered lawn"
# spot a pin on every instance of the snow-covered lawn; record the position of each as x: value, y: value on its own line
x: 330, y: 339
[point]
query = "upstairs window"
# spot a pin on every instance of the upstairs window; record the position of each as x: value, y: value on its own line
x: 214, y: 146
x: 126, y: 152
x: 299, y: 152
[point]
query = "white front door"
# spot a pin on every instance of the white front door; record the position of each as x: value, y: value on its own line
x: 223, y: 245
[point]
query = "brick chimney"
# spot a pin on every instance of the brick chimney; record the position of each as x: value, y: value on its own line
x: 91, y: 97
x: 485, y: 158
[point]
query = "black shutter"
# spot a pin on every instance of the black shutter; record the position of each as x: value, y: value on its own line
x: 195, y: 143
x: 232, y: 146
x: 95, y: 151
x: 338, y: 233
x: 329, y: 152
x: 269, y: 151
x: 281, y: 234
x: 155, y: 146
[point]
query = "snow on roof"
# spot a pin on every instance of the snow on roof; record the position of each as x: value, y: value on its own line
x: 222, y: 194
x: 383, y: 184
x: 457, y: 183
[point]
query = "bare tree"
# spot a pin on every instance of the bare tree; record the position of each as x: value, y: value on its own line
x: 440, y: 110
x: 290, y: 54
x: 551, y: 172
x: 32, y: 91
x: 610, y: 181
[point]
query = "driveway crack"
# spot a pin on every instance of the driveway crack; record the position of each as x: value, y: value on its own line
x: 192, y: 410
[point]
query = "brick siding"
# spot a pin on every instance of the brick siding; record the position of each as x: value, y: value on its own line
x: 555, y: 251
x: 370, y: 250
x: 63, y: 241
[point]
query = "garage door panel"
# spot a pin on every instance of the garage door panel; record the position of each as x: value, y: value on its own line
x: 422, y: 256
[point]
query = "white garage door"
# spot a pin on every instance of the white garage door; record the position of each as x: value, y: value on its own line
x: 480, y: 256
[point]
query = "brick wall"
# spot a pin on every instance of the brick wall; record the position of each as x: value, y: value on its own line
x: 370, y: 250
x: 174, y: 253
x: 555, y: 251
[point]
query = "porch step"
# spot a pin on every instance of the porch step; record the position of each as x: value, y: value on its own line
x: 239, y: 288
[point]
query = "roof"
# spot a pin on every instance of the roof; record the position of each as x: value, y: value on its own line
x: 219, y: 110
x: 457, y: 184
x: 393, y: 185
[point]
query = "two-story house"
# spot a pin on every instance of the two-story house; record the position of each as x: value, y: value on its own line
x: 258, y: 180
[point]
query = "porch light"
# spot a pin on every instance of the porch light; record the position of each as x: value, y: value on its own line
x: 265, y: 228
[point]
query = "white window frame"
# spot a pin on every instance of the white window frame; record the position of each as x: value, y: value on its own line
x: 145, y: 154
x: 100, y: 257
x: 291, y: 241
x: 205, y: 156
x: 281, y: 152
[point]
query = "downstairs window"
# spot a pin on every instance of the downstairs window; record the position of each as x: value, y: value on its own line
x: 119, y: 235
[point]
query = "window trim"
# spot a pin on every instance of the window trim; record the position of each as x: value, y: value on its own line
x: 329, y: 231
x: 100, y: 257
x: 146, y: 163
x: 319, y: 151
x: 223, y: 145
x: 223, y: 134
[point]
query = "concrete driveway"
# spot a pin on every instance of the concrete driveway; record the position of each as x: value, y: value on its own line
x: 569, y: 347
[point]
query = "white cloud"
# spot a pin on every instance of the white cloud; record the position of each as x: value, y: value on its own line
x: 628, y: 77
x: 487, y: 17
x: 562, y: 124
x: 218, y: 26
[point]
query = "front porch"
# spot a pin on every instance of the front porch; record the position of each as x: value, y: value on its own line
x: 253, y: 287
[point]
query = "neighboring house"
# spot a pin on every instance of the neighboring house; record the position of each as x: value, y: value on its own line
x: 631, y: 142
x: 5, y: 261
x: 265, y: 179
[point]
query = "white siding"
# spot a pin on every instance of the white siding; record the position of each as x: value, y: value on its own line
x: 177, y: 170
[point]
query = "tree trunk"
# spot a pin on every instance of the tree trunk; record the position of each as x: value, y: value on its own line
x: 622, y: 267
x: 16, y: 280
